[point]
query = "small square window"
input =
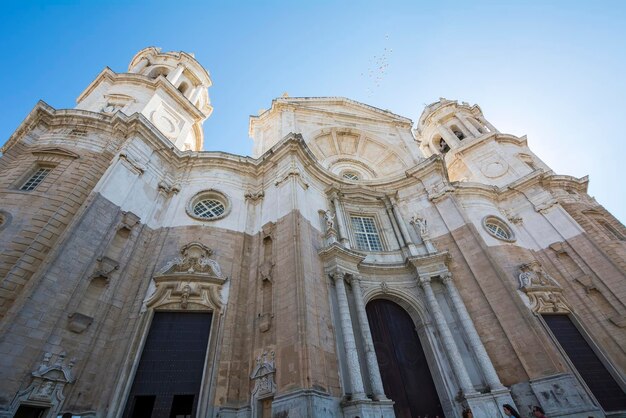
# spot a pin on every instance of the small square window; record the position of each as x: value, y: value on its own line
x: 366, y: 234
x: 34, y: 180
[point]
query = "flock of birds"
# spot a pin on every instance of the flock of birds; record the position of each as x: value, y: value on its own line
x: 377, y: 69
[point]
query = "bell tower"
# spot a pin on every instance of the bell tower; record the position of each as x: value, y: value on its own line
x: 169, y: 88
x: 472, y: 148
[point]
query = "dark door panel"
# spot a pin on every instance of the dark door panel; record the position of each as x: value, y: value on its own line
x: 406, y: 377
x: 596, y: 376
x: 169, y: 375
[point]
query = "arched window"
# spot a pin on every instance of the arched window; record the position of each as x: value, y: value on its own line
x: 158, y: 71
x: 457, y: 132
x: 441, y: 145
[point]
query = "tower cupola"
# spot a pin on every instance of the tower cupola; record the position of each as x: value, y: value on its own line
x: 472, y: 148
x: 169, y: 88
x: 447, y: 125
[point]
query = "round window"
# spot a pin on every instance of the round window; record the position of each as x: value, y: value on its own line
x: 208, y: 206
x: 497, y: 228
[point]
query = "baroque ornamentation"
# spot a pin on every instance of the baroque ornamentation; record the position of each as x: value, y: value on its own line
x: 263, y: 376
x: 49, y: 380
x: 439, y: 190
x: 544, y: 292
x: 512, y: 217
x: 254, y: 197
x: 191, y: 281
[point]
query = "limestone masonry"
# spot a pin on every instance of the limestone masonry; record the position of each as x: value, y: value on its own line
x: 357, y: 265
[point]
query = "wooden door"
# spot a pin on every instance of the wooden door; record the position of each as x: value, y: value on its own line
x: 406, y: 376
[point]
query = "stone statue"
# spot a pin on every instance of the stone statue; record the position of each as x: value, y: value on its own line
x: 329, y: 217
x: 421, y: 225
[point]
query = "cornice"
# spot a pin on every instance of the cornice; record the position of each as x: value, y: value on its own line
x: 564, y: 181
x: 154, y: 83
x: 300, y: 104
x: 123, y: 126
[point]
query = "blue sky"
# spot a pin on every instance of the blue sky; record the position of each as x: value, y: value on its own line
x: 553, y: 70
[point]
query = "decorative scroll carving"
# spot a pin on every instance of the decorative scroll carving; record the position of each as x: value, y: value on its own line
x: 384, y: 287
x: 544, y: 292
x: 192, y: 281
x: 254, y: 197
x: 168, y: 188
x: 263, y: 376
x: 437, y: 191
x: 49, y: 380
x: 195, y: 259
x: 512, y: 217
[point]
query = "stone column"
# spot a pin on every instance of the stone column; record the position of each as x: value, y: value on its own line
x: 174, y: 76
x: 487, y: 124
x: 370, y: 354
x: 394, y: 225
x: 447, y: 135
x: 469, y: 126
x: 474, y: 339
x: 341, y: 224
x: 403, y: 229
x: 195, y: 94
x: 446, y: 336
x: 352, y: 357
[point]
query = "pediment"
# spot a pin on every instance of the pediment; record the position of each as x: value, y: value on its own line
x: 345, y: 107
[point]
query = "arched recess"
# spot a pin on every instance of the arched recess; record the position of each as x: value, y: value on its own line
x: 438, y: 364
x: 406, y: 373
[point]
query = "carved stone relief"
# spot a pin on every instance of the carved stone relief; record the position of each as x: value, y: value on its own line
x: 191, y: 281
x: 46, y: 388
x: 263, y: 376
x: 544, y: 293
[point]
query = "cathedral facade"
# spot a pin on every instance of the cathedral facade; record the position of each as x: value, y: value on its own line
x: 357, y: 265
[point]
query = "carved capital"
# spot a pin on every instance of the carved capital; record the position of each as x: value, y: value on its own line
x: 338, y: 275
x: 254, y: 197
x: 424, y: 281
x: 446, y: 278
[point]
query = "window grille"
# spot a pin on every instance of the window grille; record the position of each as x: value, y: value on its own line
x: 350, y: 175
x: 35, y: 179
x: 209, y: 208
x: 498, y: 229
x: 366, y: 234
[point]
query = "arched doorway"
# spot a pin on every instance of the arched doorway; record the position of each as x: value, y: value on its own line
x: 403, y: 367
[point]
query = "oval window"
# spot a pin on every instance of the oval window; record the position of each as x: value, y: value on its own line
x: 497, y: 228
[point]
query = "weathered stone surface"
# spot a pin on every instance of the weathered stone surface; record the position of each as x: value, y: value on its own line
x: 106, y: 239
